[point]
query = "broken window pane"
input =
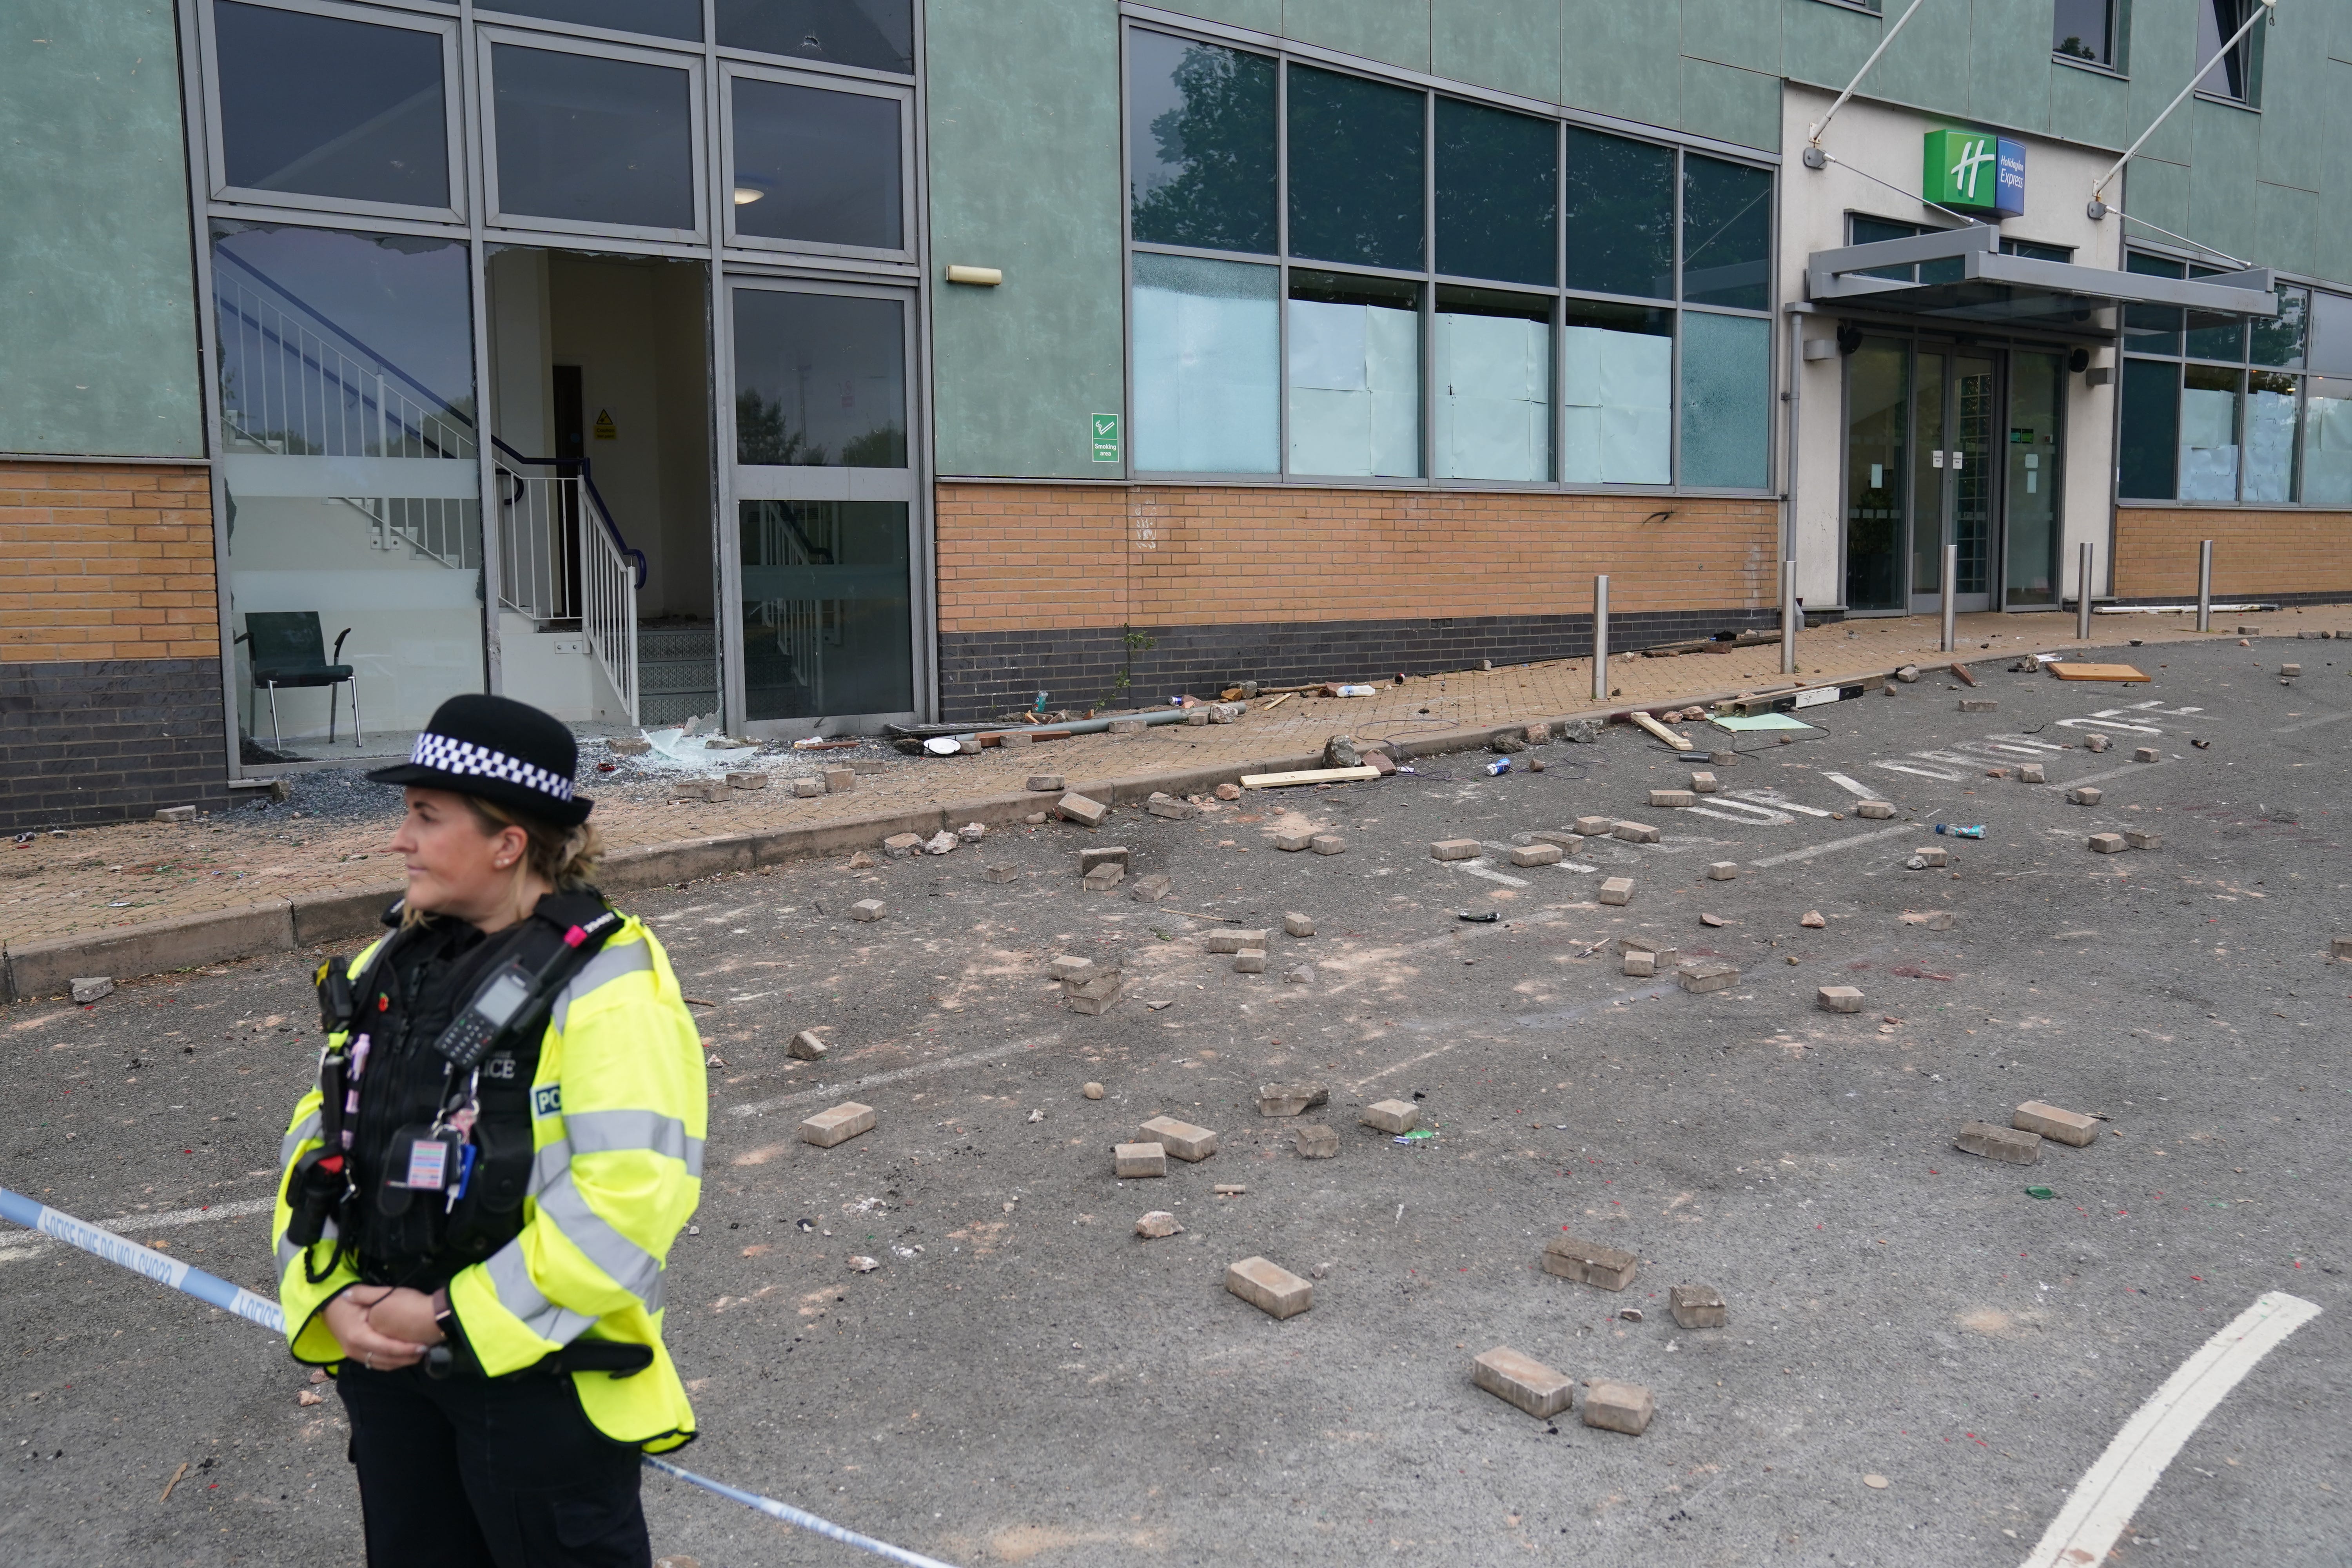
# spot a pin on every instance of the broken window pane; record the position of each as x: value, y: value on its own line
x: 1207, y: 362
x: 1726, y: 400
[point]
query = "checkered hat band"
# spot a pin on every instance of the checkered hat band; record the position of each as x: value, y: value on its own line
x: 445, y: 756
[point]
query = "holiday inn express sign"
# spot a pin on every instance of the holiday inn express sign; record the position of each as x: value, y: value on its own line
x: 1971, y: 172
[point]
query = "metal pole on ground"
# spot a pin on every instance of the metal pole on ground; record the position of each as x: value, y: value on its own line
x: 1600, y: 637
x: 1790, y: 617
x: 2205, y: 585
x: 2082, y: 593
x: 1951, y: 581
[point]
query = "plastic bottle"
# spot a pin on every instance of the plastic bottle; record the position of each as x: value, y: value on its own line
x: 1976, y: 832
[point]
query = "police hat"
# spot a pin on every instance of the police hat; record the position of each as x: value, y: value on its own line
x: 503, y: 751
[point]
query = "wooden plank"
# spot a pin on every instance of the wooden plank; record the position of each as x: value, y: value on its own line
x: 2123, y: 672
x: 1678, y: 742
x: 1308, y: 776
x: 1957, y: 668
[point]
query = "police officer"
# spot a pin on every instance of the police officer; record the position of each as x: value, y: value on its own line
x: 478, y: 1198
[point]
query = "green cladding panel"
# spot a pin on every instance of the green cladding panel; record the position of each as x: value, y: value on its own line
x: 98, y: 322
x: 1024, y: 176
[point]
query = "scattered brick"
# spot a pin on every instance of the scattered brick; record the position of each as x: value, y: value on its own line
x: 90, y: 988
x: 1670, y: 798
x: 1561, y: 837
x: 1180, y: 1139
x: 1634, y: 832
x: 1274, y: 1290
x: 1297, y: 925
x: 1004, y: 873
x: 863, y: 861
x: 1157, y: 1223
x: 868, y: 910
x: 1292, y: 843
x: 1454, y: 850
x: 1299, y: 974
x: 1589, y: 1262
x: 2096, y: 743
x: 1931, y: 855
x: 1094, y: 993
x: 1639, y: 965
x: 838, y: 1125
x: 1169, y: 807
x: 807, y: 1047
x: 2139, y: 838
x: 2107, y: 844
x: 1838, y: 999
x: 1391, y: 1116
x: 1723, y: 871
x: 1811, y: 919
x: 1105, y: 876
x: 747, y: 781
x: 1703, y: 783
x: 1327, y: 844
x: 1229, y: 791
x: 2289, y: 669
x: 1874, y: 810
x: 1078, y: 809
x: 1619, y: 1407
x: 1317, y: 1142
x: 1698, y: 1306
x: 1708, y: 975
x: 1932, y: 920
x: 1230, y: 1189
x: 1537, y: 855
x: 1150, y: 889
x: 1978, y: 705
x: 839, y: 781
x: 2339, y: 947
x: 1617, y: 891
x: 1250, y: 961
x: 1102, y: 854
x: 808, y: 788
x: 2002, y: 1143
x: 2147, y: 754
x: 1234, y: 941
x: 1524, y: 1381
x: 899, y: 845
x: 1070, y: 966
x: 1136, y: 1161
x: 2030, y: 773
x: 1290, y: 1098
x: 1127, y: 726
x: 2064, y: 1126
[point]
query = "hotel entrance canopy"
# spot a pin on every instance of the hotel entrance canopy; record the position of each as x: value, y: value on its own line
x: 1960, y: 276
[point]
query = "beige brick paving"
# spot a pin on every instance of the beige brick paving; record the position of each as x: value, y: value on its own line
x: 96, y: 879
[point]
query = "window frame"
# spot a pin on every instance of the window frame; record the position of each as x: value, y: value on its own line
x: 1430, y: 279
x: 2118, y: 61
x: 2252, y: 45
x: 731, y: 71
x: 452, y: 93
x: 495, y: 217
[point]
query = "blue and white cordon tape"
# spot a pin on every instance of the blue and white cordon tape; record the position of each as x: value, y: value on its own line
x: 218, y: 1292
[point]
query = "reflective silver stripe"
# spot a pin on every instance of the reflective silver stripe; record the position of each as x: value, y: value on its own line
x: 547, y: 1165
x: 606, y: 1131
x: 301, y: 1132
x: 631, y: 1266
x: 518, y: 1296
x: 288, y: 1252
x: 610, y: 963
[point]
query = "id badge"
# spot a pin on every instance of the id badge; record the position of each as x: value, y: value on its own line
x: 425, y: 1163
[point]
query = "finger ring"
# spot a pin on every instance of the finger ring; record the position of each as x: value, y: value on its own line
x: 368, y: 1360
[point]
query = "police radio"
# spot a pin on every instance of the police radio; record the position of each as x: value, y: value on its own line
x: 470, y: 1035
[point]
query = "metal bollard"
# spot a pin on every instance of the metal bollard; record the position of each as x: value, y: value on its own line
x: 1600, y: 637
x: 2205, y: 586
x: 1791, y: 617
x: 1952, y: 587
x: 2083, y: 594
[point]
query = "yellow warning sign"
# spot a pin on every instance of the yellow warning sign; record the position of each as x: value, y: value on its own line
x: 605, y: 429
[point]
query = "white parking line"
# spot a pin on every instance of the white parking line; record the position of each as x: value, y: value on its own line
x: 1477, y: 871
x: 2105, y: 1500
x: 828, y: 1090
x: 1851, y: 787
x: 2311, y: 723
x: 1835, y: 844
x: 2110, y: 774
x: 1768, y: 797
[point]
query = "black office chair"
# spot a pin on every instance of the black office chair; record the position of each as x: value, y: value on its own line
x: 289, y: 650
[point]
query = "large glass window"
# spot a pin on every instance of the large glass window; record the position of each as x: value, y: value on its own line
x: 1618, y: 388
x: 1414, y: 317
x: 820, y: 380
x: 1498, y: 194
x: 1208, y: 380
x: 1356, y: 178
x: 1726, y: 234
x: 2084, y: 30
x: 1200, y: 143
x: 828, y: 625
x: 2327, y: 442
x: 817, y: 165
x: 322, y: 106
x: 348, y: 453
x: 1354, y: 376
x: 1621, y: 216
x: 1494, y: 385
x: 588, y: 139
x: 2216, y: 407
x: 661, y: 19
x: 874, y: 35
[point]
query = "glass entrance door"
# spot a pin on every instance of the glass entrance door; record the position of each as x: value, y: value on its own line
x: 824, y: 489
x: 1955, y: 415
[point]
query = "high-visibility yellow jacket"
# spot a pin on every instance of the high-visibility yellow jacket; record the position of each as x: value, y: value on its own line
x: 619, y: 1111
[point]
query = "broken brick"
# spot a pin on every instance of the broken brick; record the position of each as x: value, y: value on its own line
x: 2005, y: 1144
x: 806, y: 1046
x: 1157, y: 1223
x: 1617, y: 891
x: 1290, y: 1098
x: 1874, y: 810
x: 1698, y: 1306
x: 1619, y: 1407
x: 867, y: 910
x: 1811, y: 919
x: 1317, y: 1142
x: 2030, y: 773
x: 1391, y: 1116
x: 1297, y: 925
x: 1708, y: 976
x: 1634, y: 832
x: 1327, y: 844
x: 838, y: 1125
x: 898, y: 845
x: 1589, y: 1262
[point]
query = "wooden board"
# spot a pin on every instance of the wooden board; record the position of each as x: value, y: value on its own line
x: 1679, y: 742
x: 1308, y: 776
x: 2124, y: 672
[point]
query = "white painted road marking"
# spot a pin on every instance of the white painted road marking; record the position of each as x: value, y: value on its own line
x: 1475, y: 869
x: 2109, y: 1493
x: 1835, y: 844
x: 2311, y: 723
x: 828, y: 1090
x: 1772, y: 799
x: 1851, y: 787
x: 2110, y: 774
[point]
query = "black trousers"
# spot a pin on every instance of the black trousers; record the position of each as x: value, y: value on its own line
x: 469, y: 1472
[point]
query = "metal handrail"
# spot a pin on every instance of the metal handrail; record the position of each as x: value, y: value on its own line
x: 603, y: 512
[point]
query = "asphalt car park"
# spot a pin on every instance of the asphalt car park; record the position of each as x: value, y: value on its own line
x: 1021, y: 1377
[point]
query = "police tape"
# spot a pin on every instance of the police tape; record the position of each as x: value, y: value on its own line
x: 210, y: 1289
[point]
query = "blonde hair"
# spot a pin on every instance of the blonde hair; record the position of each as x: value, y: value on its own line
x: 565, y: 857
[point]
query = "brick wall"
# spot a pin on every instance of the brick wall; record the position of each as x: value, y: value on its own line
x: 110, y: 643
x: 1039, y: 584
x: 2296, y: 555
